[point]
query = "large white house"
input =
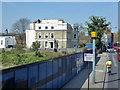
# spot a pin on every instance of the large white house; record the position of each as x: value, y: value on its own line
x: 52, y: 34
x: 7, y: 40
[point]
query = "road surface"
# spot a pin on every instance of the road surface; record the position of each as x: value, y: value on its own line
x: 113, y: 81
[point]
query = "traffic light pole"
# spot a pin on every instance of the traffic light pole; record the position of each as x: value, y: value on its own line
x: 93, y: 60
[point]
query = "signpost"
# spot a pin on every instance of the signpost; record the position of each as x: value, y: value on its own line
x: 93, y: 35
x: 89, y: 58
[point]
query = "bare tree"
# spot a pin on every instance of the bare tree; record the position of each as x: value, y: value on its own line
x: 21, y: 25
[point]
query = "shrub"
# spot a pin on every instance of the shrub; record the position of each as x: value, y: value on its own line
x: 4, y: 60
x: 35, y: 46
x: 3, y: 50
x: 18, y: 60
x: 37, y: 53
x: 55, y: 50
x: 19, y: 47
x: 81, y: 44
x: 84, y: 49
x: 64, y: 52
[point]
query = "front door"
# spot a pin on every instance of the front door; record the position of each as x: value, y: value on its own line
x: 51, y: 44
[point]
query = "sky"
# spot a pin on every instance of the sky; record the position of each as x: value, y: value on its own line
x: 71, y: 12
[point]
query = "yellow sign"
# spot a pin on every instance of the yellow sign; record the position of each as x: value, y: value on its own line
x: 93, y: 34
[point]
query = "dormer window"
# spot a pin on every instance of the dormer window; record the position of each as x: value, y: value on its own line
x: 52, y: 27
x: 46, y: 27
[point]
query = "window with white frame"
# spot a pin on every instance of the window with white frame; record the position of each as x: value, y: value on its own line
x: 46, y: 44
x: 52, y: 35
x: 46, y: 35
x: 39, y: 35
x: 40, y: 44
x: 1, y: 42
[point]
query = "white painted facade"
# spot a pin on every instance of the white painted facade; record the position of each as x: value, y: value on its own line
x: 64, y: 33
x: 58, y: 25
x: 7, y: 41
x: 30, y: 37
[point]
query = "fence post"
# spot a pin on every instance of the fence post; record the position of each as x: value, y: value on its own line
x: 27, y: 77
x: 38, y: 74
x: 13, y: 80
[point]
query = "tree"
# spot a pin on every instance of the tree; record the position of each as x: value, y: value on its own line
x: 21, y: 25
x: 35, y: 46
x: 97, y: 24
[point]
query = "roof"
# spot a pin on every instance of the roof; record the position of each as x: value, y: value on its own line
x: 9, y: 34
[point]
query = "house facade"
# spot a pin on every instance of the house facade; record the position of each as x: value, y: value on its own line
x: 7, y: 41
x: 52, y: 34
x: 107, y: 39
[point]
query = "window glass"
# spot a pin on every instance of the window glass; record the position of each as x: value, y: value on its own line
x: 46, y: 35
x: 52, y: 27
x: 1, y: 42
x: 40, y: 44
x: 46, y: 27
x: 52, y: 35
x: 115, y: 44
x: 46, y: 44
x: 74, y: 46
x: 39, y: 35
x: 39, y: 27
x: 74, y: 36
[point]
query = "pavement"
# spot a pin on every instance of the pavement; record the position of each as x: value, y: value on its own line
x: 81, y: 79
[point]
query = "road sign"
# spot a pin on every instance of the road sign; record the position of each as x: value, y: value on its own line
x: 93, y: 34
x: 88, y: 57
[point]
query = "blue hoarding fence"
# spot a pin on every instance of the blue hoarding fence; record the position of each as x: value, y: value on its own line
x: 51, y: 73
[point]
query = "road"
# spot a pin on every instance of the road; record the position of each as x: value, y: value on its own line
x: 113, y: 81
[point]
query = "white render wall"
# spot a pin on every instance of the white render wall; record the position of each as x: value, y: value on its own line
x: 7, y: 40
x: 58, y: 25
x: 30, y: 37
x: 3, y: 45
